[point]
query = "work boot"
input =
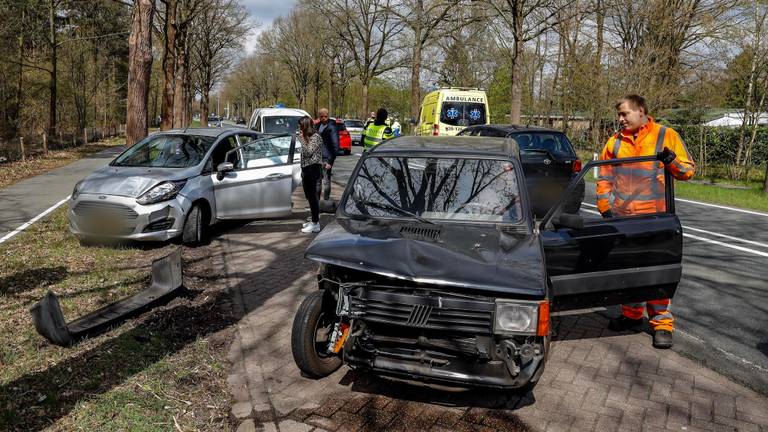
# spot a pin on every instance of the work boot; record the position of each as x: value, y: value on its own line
x: 622, y: 323
x: 662, y: 339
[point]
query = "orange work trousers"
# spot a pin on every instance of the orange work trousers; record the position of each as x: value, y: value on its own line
x: 659, y: 315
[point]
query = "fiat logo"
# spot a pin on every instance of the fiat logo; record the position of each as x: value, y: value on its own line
x: 547, y: 161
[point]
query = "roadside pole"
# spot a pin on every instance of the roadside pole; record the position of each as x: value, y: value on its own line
x: 23, y: 153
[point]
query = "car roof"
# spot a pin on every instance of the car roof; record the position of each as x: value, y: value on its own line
x: 282, y: 111
x: 201, y: 131
x: 511, y: 128
x: 480, y: 146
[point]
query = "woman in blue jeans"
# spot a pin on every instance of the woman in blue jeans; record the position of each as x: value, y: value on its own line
x: 311, y: 170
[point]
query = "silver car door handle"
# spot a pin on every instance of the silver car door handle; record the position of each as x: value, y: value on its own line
x: 274, y: 176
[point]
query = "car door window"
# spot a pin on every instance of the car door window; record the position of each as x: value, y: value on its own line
x: 262, y: 152
x: 219, y: 153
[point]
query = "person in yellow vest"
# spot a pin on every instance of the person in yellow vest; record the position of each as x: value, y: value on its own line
x: 378, y: 131
x: 623, y: 191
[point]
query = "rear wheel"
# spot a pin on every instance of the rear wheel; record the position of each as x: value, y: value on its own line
x: 194, y: 227
x: 311, y: 332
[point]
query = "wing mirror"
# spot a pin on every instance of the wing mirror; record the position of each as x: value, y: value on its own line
x: 224, y: 168
x: 568, y: 220
x: 414, y: 121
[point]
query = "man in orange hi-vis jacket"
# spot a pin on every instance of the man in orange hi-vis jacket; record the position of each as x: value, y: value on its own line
x: 638, y: 188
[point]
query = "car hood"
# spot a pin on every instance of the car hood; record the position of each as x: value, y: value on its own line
x: 473, y: 258
x: 131, y: 181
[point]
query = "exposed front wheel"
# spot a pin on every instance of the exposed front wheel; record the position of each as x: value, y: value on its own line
x: 312, y: 329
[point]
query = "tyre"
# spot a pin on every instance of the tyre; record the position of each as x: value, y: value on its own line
x: 194, y: 227
x: 312, y: 328
x: 347, y: 151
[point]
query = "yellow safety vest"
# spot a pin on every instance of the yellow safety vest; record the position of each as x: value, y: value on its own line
x: 375, y: 134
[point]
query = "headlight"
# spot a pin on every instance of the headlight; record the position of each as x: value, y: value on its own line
x: 76, y: 190
x: 516, y: 317
x: 162, y: 192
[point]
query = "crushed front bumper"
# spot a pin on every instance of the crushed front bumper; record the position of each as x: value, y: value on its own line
x: 122, y: 218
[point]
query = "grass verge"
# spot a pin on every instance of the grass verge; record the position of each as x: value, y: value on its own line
x: 163, y: 370
x: 13, y: 172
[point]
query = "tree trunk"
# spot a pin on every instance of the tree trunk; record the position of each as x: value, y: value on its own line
x: 179, y: 93
x: 365, y: 99
x: 204, y: 105
x: 169, y: 66
x: 54, y: 77
x: 18, y: 103
x: 416, y: 73
x: 596, y: 124
x: 516, y: 89
x: 139, y: 71
x: 765, y: 181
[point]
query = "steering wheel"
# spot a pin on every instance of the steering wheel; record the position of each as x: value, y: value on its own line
x: 475, y: 208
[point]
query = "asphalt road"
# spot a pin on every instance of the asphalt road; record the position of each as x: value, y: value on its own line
x: 721, y: 305
x: 21, y: 202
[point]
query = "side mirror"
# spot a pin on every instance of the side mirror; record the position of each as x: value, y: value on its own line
x: 224, y: 168
x: 568, y: 220
x: 413, y: 120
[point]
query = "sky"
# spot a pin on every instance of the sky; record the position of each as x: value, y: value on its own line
x: 264, y: 12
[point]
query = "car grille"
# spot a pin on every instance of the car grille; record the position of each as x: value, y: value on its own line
x: 430, y: 311
x: 104, y: 209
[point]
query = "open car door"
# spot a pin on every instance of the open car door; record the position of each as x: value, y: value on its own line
x: 633, y: 254
x: 262, y: 181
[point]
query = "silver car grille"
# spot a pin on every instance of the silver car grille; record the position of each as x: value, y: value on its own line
x: 104, y: 209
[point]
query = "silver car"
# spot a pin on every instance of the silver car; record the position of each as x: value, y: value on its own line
x: 178, y: 183
x: 355, y: 128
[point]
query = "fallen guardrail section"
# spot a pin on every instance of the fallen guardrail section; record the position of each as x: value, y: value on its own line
x: 166, y: 282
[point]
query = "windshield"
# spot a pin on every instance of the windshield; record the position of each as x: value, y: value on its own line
x: 354, y: 123
x: 281, y: 124
x: 166, y: 151
x: 435, y: 188
x: 462, y: 113
x: 554, y: 143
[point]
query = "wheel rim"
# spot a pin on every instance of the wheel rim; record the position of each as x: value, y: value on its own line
x: 322, y: 335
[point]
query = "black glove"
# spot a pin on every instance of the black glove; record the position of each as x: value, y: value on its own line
x: 607, y: 214
x: 666, y: 156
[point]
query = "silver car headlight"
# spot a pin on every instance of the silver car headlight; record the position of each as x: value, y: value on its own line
x: 76, y: 190
x: 161, y: 192
x: 518, y: 317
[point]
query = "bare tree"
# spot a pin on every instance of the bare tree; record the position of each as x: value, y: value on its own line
x: 370, y: 32
x: 518, y: 22
x: 218, y: 34
x: 139, y: 70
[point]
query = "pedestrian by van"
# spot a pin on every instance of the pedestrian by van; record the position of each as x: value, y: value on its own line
x: 448, y: 111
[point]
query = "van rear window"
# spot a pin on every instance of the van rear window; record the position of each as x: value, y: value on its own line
x: 462, y: 113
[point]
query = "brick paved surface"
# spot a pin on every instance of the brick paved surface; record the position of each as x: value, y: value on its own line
x: 595, y: 379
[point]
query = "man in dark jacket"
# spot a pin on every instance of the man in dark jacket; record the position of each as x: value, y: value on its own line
x: 330, y: 134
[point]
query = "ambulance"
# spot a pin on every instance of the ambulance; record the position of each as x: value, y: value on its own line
x: 447, y: 111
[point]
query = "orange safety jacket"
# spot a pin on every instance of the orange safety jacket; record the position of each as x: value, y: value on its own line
x: 639, y: 187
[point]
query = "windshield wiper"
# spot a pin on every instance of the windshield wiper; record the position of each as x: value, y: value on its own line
x: 547, y: 152
x: 396, y: 209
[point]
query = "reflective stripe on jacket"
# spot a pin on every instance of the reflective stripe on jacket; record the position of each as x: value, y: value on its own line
x: 639, y: 187
x: 375, y: 134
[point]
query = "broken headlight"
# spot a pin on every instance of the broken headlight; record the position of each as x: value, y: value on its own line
x: 516, y: 317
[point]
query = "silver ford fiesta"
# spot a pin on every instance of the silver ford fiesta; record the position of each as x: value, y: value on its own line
x: 179, y: 182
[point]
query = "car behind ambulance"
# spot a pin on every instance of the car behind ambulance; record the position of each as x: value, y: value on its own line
x: 447, y: 111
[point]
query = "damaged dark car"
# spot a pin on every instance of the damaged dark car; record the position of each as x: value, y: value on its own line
x: 436, y: 269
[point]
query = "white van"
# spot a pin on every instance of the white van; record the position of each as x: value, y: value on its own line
x: 276, y: 120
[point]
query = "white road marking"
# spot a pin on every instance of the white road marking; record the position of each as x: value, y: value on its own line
x: 727, y: 354
x: 752, y: 212
x: 716, y: 242
x: 727, y: 236
x: 27, y: 224
x: 358, y: 154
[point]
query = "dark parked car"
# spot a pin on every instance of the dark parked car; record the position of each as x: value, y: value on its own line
x: 436, y: 270
x: 549, y: 162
